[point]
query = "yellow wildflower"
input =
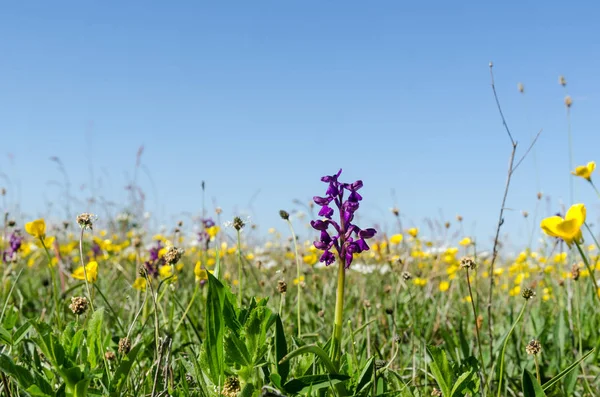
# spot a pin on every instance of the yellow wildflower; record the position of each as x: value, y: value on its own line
x: 585, y: 171
x: 91, y: 270
x: 36, y: 228
x: 310, y: 259
x: 444, y: 285
x: 569, y: 228
x: 396, y: 239
x: 413, y: 231
x: 465, y: 241
x: 139, y: 284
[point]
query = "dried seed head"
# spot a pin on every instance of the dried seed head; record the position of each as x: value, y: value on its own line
x: 124, y: 345
x: 321, y: 313
x: 521, y: 88
x: 238, y: 223
x: 540, y: 195
x: 406, y: 276
x: 396, y: 211
x: 11, y: 223
x: 389, y: 311
x: 284, y: 215
x: 525, y: 214
x: 387, y: 289
x: 562, y: 81
x: 568, y: 101
x: 110, y: 356
x: 467, y: 263
x: 282, y: 287
x: 3, y: 192
x: 459, y: 218
x: 173, y: 255
x: 231, y: 388
x: 380, y: 364
x: 575, y: 273
x: 136, y: 242
x: 218, y: 210
x: 436, y: 392
x: 86, y: 220
x: 533, y: 347
x: 528, y: 293
x: 79, y: 305
x: 367, y: 303
x: 447, y: 225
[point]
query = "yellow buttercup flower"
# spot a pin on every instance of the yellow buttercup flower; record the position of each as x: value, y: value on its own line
x: 585, y: 171
x: 139, y: 284
x: 465, y: 241
x: 91, y: 269
x: 200, y: 272
x: 396, y: 239
x: 413, y: 231
x: 569, y: 228
x: 212, y: 231
x: 36, y: 228
x: 444, y: 285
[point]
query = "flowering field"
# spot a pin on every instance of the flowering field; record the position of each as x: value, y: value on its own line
x: 107, y: 307
x: 352, y: 312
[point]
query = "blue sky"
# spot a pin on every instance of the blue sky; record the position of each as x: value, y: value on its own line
x: 260, y: 99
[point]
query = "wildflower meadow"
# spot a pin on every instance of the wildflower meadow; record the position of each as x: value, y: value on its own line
x: 108, y: 297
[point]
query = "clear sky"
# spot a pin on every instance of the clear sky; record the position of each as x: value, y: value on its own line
x: 262, y: 98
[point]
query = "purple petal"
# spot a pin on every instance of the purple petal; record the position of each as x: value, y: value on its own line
x: 367, y: 233
x: 319, y: 225
x: 322, y: 200
x: 326, y: 211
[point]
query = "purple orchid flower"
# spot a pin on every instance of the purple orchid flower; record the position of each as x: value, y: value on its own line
x: 342, y: 240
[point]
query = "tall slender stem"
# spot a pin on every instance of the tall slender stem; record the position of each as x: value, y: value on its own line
x: 297, y: 272
x: 590, y: 270
x: 476, y: 328
x: 336, y: 339
x: 85, y: 278
x: 240, y: 274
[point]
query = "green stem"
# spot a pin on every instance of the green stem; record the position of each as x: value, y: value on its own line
x: 54, y: 281
x: 537, y: 368
x: 595, y: 188
x: 336, y: 339
x: 87, y: 285
x: 297, y: 272
x: 504, y: 348
x: 476, y: 327
x: 240, y: 274
x: 590, y: 270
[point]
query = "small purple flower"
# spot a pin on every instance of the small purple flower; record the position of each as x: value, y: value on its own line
x: 343, y: 241
x: 14, y: 245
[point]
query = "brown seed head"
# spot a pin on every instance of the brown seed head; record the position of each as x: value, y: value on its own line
x: 575, y: 273
x: 282, y: 287
x: 284, y: 215
x: 436, y: 392
x: 231, y: 388
x: 110, y: 356
x: 79, y: 305
x: 173, y: 255
x: 406, y: 276
x: 521, y: 88
x: 540, y: 195
x: 533, y: 347
x: 568, y: 101
x: 86, y: 220
x: 124, y: 345
x: 528, y: 293
x: 562, y: 81
x: 467, y: 263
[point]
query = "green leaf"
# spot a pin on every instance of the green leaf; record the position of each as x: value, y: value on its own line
x: 235, y: 350
x: 313, y: 382
x: 20, y: 333
x: 314, y: 349
x: 5, y: 336
x: 565, y: 371
x: 213, y: 344
x: 283, y: 369
x: 366, y: 375
x: 94, y: 330
x: 440, y: 368
x: 122, y: 372
x: 531, y: 387
x: 247, y: 391
x: 81, y: 388
x: 22, y: 376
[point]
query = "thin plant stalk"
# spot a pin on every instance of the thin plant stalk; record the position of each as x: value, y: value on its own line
x: 590, y: 270
x: 240, y: 274
x: 504, y: 348
x: 476, y: 327
x: 85, y: 278
x: 537, y: 368
x: 297, y: 272
x: 336, y: 339
x: 54, y: 281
